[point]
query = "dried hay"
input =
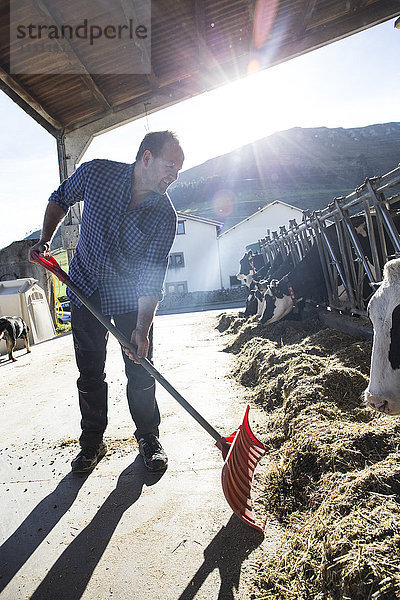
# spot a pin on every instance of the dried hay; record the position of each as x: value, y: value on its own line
x: 225, y: 321
x: 283, y: 332
x: 348, y: 548
x: 294, y: 475
x: 333, y: 475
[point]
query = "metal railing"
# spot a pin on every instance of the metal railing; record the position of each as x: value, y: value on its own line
x: 355, y: 235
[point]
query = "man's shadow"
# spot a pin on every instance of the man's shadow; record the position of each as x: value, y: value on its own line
x: 16, y: 550
x: 70, y: 574
x: 226, y: 552
x: 82, y: 555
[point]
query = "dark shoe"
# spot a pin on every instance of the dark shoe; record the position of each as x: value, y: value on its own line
x: 153, y: 453
x: 88, y: 458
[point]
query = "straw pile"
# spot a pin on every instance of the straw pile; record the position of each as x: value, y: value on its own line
x: 333, y: 475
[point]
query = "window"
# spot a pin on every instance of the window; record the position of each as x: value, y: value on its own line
x: 234, y: 281
x: 176, y: 287
x: 181, y: 228
x: 176, y: 260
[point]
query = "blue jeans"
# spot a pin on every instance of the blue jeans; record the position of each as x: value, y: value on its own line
x: 90, y: 343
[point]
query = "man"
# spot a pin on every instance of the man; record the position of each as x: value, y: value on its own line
x: 127, y: 230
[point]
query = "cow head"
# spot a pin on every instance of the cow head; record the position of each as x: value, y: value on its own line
x: 251, y: 301
x: 277, y: 302
x: 259, y: 295
x: 246, y: 269
x: 383, y: 391
x: 258, y: 261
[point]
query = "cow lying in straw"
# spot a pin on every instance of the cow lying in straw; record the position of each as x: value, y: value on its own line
x: 257, y: 273
x: 303, y: 281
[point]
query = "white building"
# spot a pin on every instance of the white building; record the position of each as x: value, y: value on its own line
x: 194, y: 260
x: 202, y: 259
x: 232, y: 243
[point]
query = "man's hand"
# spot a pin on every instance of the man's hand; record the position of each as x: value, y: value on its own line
x: 141, y: 340
x: 140, y: 335
x: 41, y: 248
x: 52, y: 218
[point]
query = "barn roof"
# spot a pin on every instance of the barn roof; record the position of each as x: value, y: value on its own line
x: 196, y: 45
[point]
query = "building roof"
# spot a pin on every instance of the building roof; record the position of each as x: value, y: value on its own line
x: 196, y: 46
x: 182, y: 215
x: 264, y: 208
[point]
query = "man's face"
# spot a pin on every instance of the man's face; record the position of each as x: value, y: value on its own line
x: 164, y: 169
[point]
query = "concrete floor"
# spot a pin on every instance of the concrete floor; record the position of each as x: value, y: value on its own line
x: 121, y: 533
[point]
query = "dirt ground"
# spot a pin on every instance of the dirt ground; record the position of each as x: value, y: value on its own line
x: 121, y: 532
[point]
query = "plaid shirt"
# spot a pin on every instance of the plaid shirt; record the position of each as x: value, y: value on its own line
x: 122, y: 253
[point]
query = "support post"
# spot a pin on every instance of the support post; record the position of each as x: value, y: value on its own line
x: 68, y: 156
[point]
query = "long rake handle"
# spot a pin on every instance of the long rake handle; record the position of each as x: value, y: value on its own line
x: 52, y: 265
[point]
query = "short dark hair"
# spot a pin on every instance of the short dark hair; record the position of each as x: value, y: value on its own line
x: 154, y: 141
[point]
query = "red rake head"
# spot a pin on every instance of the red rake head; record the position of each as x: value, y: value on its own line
x: 237, y: 474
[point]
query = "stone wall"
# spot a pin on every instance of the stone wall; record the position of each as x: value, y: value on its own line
x: 198, y: 299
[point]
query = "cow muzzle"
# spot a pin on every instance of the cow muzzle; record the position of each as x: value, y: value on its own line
x: 382, y: 404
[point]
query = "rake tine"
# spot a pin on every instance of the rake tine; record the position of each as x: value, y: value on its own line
x: 238, y: 471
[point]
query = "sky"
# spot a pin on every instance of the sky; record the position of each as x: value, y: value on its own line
x: 351, y: 83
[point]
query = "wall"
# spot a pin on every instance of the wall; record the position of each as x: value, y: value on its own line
x: 232, y: 243
x: 199, y: 245
x: 202, y: 300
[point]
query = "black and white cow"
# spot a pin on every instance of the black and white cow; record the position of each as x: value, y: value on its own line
x: 304, y: 281
x: 252, y: 266
x: 283, y: 284
x: 383, y: 391
x: 258, y: 276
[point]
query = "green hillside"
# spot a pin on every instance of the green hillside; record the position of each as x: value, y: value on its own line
x: 303, y: 167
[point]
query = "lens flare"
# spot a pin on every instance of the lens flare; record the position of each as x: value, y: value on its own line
x: 223, y: 202
x: 253, y: 67
x: 264, y: 18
